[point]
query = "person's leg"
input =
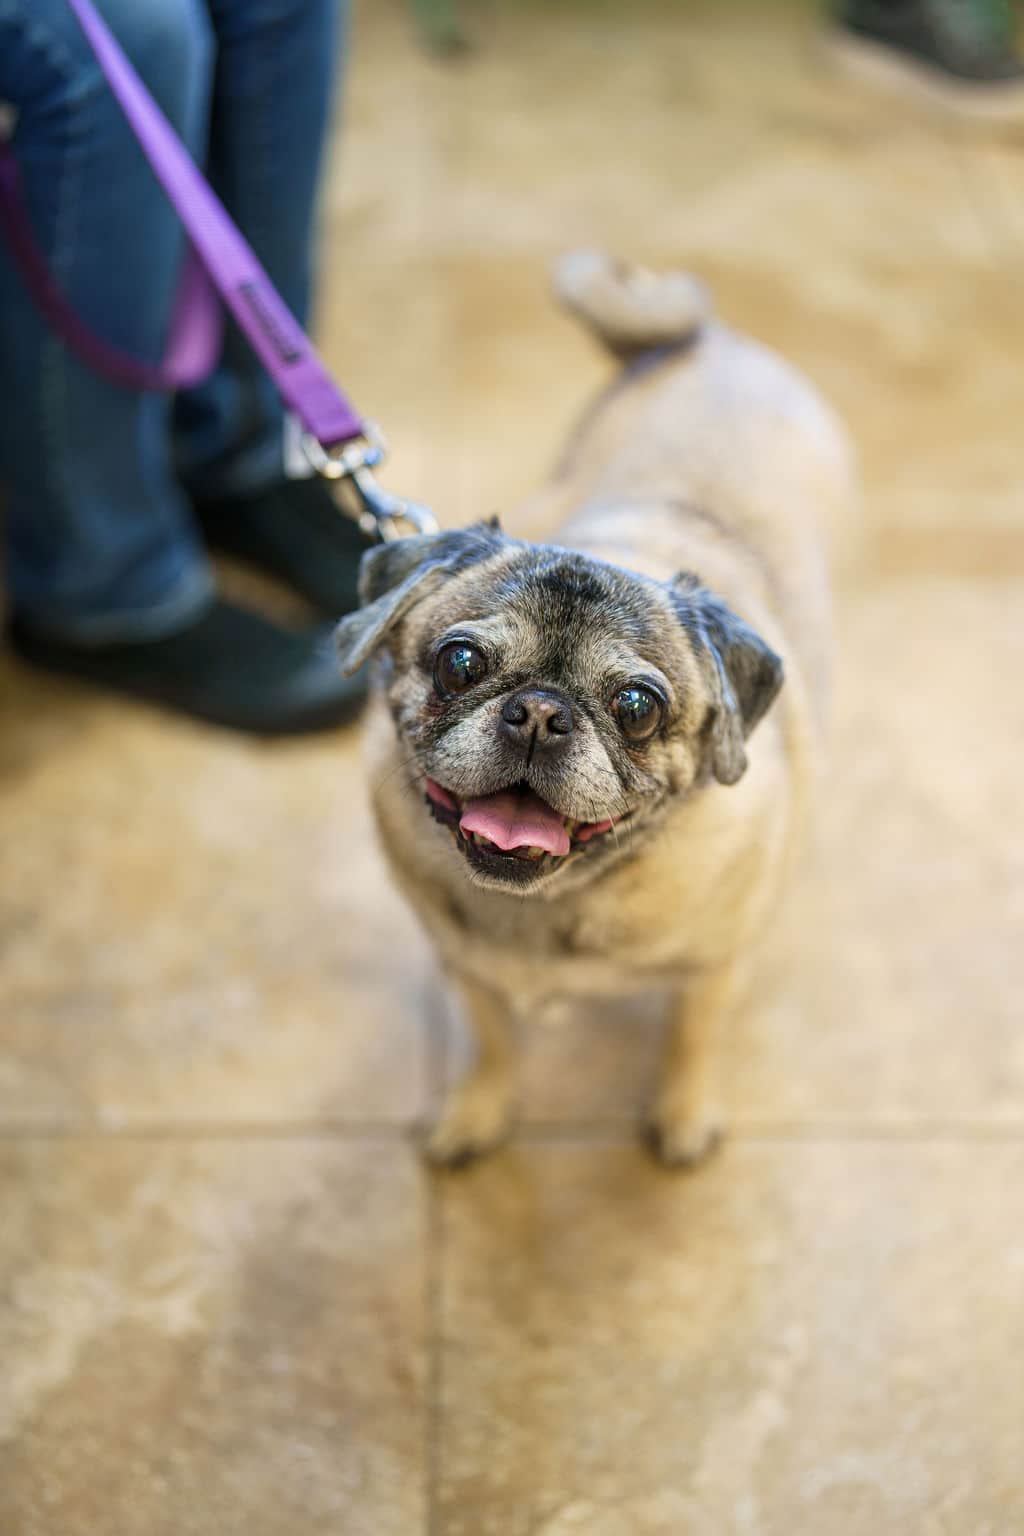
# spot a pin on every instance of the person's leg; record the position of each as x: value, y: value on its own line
x: 107, y: 577
x: 277, y: 61
x: 277, y: 64
x: 100, y: 543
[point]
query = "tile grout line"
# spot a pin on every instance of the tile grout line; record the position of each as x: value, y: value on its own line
x: 435, y: 1072
x: 434, y: 1385
x: 535, y: 1133
x: 977, y: 1134
x: 206, y: 1130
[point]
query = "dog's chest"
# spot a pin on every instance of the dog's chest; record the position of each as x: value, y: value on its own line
x: 622, y: 941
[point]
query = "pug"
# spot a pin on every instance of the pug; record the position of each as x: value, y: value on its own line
x: 592, y: 758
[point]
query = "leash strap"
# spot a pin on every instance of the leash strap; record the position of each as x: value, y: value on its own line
x: 338, y: 442
x: 194, y: 334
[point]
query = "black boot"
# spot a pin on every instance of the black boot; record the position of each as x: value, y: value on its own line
x: 230, y: 667
x: 958, y: 53
x: 296, y: 532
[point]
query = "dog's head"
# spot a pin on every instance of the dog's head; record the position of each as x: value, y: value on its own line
x: 552, y: 704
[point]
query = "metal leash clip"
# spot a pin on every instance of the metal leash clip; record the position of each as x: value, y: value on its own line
x: 377, y: 511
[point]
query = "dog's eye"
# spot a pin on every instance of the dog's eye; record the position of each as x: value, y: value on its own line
x: 638, y: 712
x: 458, y: 667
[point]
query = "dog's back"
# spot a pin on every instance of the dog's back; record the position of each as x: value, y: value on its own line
x: 709, y: 453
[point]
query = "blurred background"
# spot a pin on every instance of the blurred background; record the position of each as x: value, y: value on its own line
x: 230, y: 1297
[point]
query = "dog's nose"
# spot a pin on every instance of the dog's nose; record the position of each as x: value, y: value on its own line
x: 539, y: 716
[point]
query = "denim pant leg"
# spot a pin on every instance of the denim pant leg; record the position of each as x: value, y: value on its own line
x: 100, y: 544
x: 277, y: 61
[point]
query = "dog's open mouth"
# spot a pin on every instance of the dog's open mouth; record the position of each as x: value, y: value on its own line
x: 513, y: 834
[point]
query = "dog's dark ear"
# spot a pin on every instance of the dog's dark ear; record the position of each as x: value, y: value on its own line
x: 395, y: 576
x: 743, y: 673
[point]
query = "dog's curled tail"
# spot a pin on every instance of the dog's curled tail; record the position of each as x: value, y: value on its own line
x: 631, y: 309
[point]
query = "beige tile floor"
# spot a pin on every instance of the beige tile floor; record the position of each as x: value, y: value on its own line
x: 230, y: 1299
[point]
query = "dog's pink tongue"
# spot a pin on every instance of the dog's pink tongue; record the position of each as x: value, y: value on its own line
x: 512, y: 820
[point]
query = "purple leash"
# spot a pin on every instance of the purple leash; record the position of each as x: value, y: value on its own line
x: 337, y: 441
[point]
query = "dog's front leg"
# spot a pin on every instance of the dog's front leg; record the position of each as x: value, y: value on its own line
x: 477, y: 1112
x: 684, y: 1122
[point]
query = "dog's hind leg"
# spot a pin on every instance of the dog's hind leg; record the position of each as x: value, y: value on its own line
x: 477, y: 1113
x: 684, y: 1124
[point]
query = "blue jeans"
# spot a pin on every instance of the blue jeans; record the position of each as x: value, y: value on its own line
x: 100, y: 542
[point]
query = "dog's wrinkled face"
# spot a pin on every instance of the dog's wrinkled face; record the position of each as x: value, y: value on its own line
x: 552, y: 704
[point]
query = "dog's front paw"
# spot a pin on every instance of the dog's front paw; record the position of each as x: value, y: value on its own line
x: 476, y: 1118
x: 682, y: 1140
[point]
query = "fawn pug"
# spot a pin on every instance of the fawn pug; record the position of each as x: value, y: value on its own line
x: 610, y: 775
